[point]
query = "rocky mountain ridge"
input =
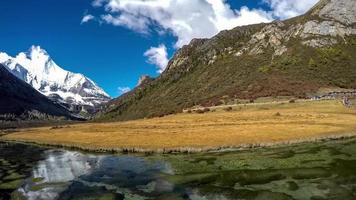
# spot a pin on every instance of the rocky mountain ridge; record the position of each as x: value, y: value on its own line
x: 326, y: 24
x: 295, y: 57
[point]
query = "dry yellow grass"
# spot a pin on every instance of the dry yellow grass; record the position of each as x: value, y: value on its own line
x: 251, y: 124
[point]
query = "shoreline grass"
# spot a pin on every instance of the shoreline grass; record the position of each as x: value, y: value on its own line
x: 189, y: 150
x: 242, y: 127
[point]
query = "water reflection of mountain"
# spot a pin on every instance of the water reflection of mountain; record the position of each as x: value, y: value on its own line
x: 64, y: 166
x: 54, y: 174
x: 63, y: 173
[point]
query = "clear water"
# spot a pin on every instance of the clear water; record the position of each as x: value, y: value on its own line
x: 308, y: 171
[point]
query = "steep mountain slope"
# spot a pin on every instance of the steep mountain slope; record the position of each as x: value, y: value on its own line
x: 295, y: 57
x: 38, y: 69
x: 19, y: 101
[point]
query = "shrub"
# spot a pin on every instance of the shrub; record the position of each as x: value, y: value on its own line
x: 312, y: 64
x: 199, y: 111
x: 265, y: 69
x: 202, y: 111
x: 56, y: 127
x: 228, y: 109
x: 219, y: 103
x: 288, y: 60
x: 331, y: 54
x: 206, y: 110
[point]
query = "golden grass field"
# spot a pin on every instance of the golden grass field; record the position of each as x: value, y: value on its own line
x: 245, y: 125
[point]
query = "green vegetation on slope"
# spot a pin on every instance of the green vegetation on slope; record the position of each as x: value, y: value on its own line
x: 248, y: 62
x: 302, y: 70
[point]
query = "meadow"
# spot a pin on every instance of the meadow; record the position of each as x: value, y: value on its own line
x: 244, y: 125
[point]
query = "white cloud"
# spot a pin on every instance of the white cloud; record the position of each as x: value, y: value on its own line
x: 158, y: 56
x: 87, y: 18
x: 123, y: 90
x: 136, y: 24
x: 284, y: 9
x: 186, y: 19
x: 98, y: 3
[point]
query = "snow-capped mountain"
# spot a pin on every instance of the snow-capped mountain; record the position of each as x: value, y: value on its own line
x: 38, y: 69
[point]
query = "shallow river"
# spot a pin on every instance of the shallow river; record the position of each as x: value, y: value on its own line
x: 324, y: 170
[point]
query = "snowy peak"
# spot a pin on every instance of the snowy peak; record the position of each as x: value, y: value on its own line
x: 38, y: 69
x: 14, y: 67
x: 4, y: 57
x: 37, y: 60
x: 41, y: 67
x: 36, y: 51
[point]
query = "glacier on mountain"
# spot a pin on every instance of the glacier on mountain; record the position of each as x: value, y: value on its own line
x: 38, y: 69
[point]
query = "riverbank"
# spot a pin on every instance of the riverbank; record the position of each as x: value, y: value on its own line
x: 242, y: 126
x: 185, y: 150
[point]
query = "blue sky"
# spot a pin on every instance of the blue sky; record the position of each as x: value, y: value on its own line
x: 109, y: 48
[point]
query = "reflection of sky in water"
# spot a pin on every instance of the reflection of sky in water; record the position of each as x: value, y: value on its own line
x: 64, y: 171
x: 64, y: 166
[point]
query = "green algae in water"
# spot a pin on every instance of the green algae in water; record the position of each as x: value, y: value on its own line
x: 107, y: 197
x: 207, y: 159
x: 312, y: 170
x: 37, y: 187
x: 13, y: 175
x: 189, y: 178
x: 17, y: 196
x: 4, y: 162
x: 324, y: 170
x: 16, y: 162
x: 37, y: 179
x: 293, y: 186
x: 11, y: 185
x: 171, y: 197
x: 150, y: 187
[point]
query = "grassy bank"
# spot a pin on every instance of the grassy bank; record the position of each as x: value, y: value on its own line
x: 240, y: 126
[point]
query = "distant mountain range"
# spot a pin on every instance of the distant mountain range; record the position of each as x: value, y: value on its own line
x: 74, y: 91
x: 19, y: 101
x: 293, y: 58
